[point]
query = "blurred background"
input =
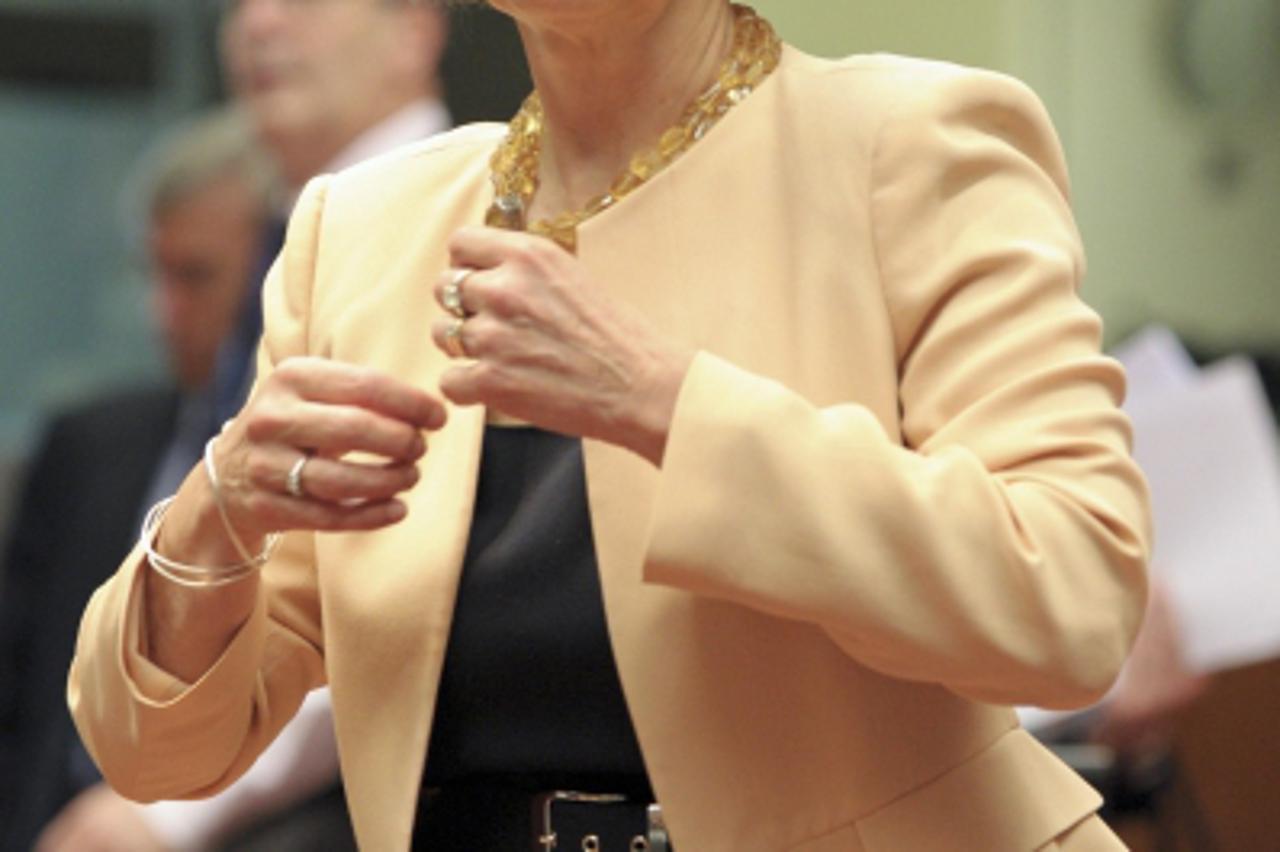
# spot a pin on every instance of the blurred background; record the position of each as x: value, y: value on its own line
x: 85, y: 87
x: 1169, y: 111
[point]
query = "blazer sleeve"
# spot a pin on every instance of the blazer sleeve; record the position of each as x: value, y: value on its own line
x: 997, y: 545
x: 152, y: 735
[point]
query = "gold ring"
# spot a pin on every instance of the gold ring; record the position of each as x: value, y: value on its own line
x: 453, y: 339
x: 451, y: 295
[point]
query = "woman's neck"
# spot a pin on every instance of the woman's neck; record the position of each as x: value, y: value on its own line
x: 610, y: 88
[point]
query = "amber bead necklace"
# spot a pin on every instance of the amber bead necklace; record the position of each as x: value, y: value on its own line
x: 514, y: 166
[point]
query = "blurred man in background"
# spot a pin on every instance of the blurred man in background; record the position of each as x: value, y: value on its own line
x: 325, y: 84
x: 328, y: 84
x: 206, y: 192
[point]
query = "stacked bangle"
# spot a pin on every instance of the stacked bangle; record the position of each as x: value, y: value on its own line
x: 196, y: 576
x: 211, y: 470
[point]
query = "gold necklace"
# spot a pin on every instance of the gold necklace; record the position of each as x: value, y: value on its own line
x: 514, y: 166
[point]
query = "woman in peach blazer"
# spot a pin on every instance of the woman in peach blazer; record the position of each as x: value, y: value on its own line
x: 855, y: 468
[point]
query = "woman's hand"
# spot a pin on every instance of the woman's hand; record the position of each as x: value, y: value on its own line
x: 320, y: 411
x: 358, y: 435
x: 99, y: 820
x: 552, y: 349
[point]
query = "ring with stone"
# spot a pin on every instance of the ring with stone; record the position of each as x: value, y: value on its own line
x: 451, y: 294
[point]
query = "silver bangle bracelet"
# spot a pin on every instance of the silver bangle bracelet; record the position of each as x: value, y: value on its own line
x: 196, y: 576
x: 211, y: 471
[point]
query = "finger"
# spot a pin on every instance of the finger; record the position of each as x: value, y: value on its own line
x: 336, y: 430
x: 486, y: 248
x: 282, y: 512
x: 333, y: 480
x: 323, y: 380
x: 464, y: 385
x: 465, y: 335
x: 346, y: 481
x: 339, y: 517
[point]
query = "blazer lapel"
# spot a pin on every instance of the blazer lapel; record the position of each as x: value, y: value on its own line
x: 396, y: 602
x: 387, y: 599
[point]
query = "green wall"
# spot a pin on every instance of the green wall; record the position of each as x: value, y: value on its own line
x: 972, y: 31
x: 1179, y: 205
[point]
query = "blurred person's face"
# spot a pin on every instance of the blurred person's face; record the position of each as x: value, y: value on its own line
x: 202, y: 250
x: 315, y: 70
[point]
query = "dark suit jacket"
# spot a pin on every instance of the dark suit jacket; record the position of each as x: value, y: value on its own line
x: 74, y: 519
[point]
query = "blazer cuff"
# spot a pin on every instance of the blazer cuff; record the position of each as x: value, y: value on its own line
x: 707, y: 487
x: 153, y: 685
x: 165, y: 709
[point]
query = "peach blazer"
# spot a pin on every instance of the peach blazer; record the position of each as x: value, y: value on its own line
x: 897, y: 494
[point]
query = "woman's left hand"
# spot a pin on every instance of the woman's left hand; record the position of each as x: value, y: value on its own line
x: 548, y: 347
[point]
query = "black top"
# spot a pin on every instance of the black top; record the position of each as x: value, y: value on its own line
x: 530, y: 688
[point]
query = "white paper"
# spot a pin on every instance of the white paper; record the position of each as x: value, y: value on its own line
x: 1209, y: 452
x: 1154, y: 360
x: 1206, y: 440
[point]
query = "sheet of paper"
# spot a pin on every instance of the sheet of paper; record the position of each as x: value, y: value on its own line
x: 1209, y: 452
x: 1155, y: 360
x: 1206, y: 440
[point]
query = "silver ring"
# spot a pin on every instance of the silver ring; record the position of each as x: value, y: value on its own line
x: 451, y: 295
x: 293, y: 482
x: 453, y: 339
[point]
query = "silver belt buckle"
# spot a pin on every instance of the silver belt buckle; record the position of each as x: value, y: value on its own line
x: 547, y: 841
x: 658, y: 840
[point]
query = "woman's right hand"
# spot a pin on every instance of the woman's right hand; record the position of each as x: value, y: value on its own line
x: 362, y: 433
x: 323, y: 411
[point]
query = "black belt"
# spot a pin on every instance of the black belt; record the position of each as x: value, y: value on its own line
x: 473, y: 816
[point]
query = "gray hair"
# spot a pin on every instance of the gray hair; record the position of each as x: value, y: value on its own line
x: 210, y: 147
